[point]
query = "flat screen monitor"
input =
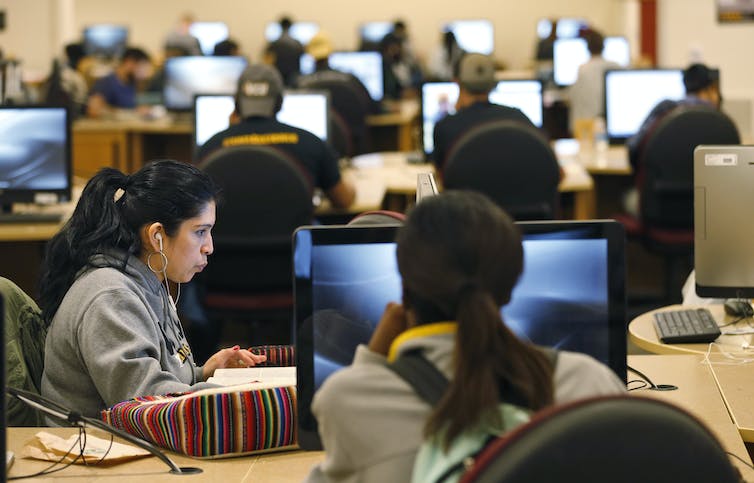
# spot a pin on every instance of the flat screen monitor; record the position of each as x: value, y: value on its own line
x: 35, y: 155
x: 105, y: 40
x: 631, y: 94
x: 723, y: 203
x: 306, y: 64
x: 186, y: 77
x: 301, y: 31
x: 570, y: 53
x: 473, y: 35
x: 373, y: 32
x: 308, y: 110
x: 571, y: 296
x: 209, y: 34
x: 524, y: 94
x: 366, y: 66
x: 569, y: 27
x: 438, y: 99
x: 544, y: 27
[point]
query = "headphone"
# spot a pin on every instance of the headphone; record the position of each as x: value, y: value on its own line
x: 158, y: 237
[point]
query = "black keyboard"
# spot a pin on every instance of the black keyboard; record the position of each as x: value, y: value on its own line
x: 30, y: 217
x: 686, y: 326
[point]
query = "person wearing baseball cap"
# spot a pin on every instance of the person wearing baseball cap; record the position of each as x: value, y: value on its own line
x: 259, y: 97
x: 475, y: 77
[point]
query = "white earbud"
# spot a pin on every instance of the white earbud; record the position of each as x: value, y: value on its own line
x: 158, y: 237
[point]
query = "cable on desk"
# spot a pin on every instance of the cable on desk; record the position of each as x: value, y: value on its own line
x: 733, y: 322
x: 652, y: 385
x: 739, y: 459
x: 49, y: 470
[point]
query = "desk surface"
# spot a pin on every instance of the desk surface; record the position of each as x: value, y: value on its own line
x: 698, y: 394
x: 289, y: 466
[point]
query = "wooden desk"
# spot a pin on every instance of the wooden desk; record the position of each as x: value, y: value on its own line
x: 698, y: 394
x: 613, y: 161
x: 290, y: 466
x: 396, y: 130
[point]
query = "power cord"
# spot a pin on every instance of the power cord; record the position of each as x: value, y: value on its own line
x: 648, y: 382
x: 51, y: 469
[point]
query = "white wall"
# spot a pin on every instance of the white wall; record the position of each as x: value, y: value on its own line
x: 38, y: 28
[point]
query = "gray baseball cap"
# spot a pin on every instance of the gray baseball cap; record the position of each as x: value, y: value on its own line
x: 476, y: 73
x: 259, y: 88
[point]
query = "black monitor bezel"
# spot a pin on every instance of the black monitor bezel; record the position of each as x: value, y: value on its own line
x: 612, y: 231
x: 28, y: 195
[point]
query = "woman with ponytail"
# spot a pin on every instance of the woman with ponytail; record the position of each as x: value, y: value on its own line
x: 459, y: 256
x: 106, y: 288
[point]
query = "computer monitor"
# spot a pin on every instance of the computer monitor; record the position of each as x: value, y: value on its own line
x: 570, y: 53
x: 308, y: 110
x: 306, y: 64
x: 105, y: 40
x: 209, y: 34
x: 211, y: 115
x: 301, y: 31
x: 438, y: 99
x: 571, y: 296
x: 366, y: 66
x: 631, y: 94
x: 186, y: 77
x: 569, y: 27
x: 473, y: 35
x: 544, y: 27
x: 372, y: 33
x: 524, y: 94
x: 723, y: 203
x: 35, y: 155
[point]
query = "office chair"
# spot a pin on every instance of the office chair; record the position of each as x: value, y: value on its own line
x: 511, y: 163
x: 341, y: 138
x: 614, y: 438
x: 351, y: 105
x: 665, y: 183
x: 266, y: 195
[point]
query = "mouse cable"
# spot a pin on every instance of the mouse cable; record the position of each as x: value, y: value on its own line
x: 733, y: 322
x: 652, y: 385
x: 740, y: 459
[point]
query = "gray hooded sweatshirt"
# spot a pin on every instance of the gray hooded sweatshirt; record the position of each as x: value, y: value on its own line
x: 116, y: 336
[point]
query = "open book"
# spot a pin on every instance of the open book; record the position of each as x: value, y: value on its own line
x: 267, y: 376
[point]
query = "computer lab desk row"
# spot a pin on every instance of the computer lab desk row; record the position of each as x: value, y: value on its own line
x: 697, y: 393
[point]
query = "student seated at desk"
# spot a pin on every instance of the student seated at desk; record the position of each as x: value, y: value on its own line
x: 118, y: 89
x: 258, y: 98
x: 105, y: 291
x: 459, y: 257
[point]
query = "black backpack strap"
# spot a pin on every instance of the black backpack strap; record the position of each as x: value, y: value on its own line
x: 426, y: 379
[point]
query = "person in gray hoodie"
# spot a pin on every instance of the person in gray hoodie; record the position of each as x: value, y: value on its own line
x: 105, y: 291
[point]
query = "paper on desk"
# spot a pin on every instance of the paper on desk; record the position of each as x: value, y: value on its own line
x: 48, y: 447
x: 277, y: 376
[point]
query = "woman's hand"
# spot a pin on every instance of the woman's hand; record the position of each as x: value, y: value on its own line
x: 231, y: 357
x: 391, y: 325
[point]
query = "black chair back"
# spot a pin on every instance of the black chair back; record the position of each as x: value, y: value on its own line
x: 618, y: 439
x: 511, y: 163
x: 266, y: 195
x: 666, y: 179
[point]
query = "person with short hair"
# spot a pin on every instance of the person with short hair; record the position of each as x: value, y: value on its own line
x: 105, y: 291
x: 259, y: 97
x: 285, y: 52
x: 180, y: 39
x: 118, y: 89
x: 226, y: 48
x: 475, y: 77
x: 459, y: 256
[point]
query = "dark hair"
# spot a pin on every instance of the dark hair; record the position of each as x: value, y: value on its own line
x: 697, y: 77
x: 460, y: 256
x: 285, y: 23
x: 135, y: 54
x: 225, y: 47
x: 595, y: 42
x: 74, y: 52
x: 166, y: 191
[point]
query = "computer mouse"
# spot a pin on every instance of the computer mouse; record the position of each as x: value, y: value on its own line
x: 739, y: 308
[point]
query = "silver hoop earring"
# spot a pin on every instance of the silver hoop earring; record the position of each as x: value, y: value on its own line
x: 164, y: 262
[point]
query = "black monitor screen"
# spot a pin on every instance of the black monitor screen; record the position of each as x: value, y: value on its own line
x: 186, y: 77
x: 209, y: 34
x: 105, y: 40
x: 571, y: 295
x: 35, y: 160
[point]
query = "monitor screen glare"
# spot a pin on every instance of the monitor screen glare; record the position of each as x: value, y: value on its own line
x: 525, y: 95
x: 209, y: 34
x: 186, y: 77
x: 301, y: 31
x: 473, y: 35
x: 307, y: 111
x: 631, y: 94
x: 374, y: 32
x: 211, y: 115
x: 367, y: 66
x: 105, y: 39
